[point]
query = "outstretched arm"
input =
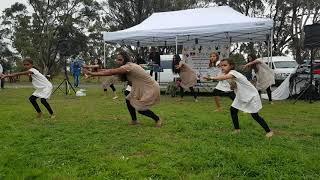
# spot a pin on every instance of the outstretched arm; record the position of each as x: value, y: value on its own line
x: 220, y: 77
x: 16, y: 74
x: 178, y: 66
x: 252, y: 63
x: 107, y: 72
x: 90, y: 66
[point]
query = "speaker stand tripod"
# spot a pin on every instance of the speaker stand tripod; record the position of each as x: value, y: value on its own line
x: 66, y: 82
x: 67, y: 86
x: 311, y: 89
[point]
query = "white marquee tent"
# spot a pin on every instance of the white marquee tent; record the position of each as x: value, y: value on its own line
x: 204, y: 25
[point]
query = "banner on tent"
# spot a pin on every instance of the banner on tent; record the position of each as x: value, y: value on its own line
x: 198, y: 56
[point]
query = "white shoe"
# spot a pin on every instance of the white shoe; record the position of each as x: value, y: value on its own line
x: 116, y: 97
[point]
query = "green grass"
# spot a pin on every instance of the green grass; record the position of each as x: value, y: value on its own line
x: 91, y: 139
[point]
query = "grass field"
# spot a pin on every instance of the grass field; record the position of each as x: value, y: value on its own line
x: 91, y: 138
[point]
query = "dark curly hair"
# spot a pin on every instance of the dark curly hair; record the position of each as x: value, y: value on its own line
x: 126, y: 58
x: 175, y: 61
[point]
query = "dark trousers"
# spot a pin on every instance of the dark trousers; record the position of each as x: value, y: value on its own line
x: 76, y: 78
x: 192, y: 91
x: 155, y: 75
x: 2, y: 83
x: 33, y: 100
x: 230, y: 94
x: 112, y: 87
x: 133, y: 114
x: 268, y: 93
x: 255, y: 116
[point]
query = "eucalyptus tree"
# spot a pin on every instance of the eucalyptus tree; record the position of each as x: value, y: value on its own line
x: 52, y: 30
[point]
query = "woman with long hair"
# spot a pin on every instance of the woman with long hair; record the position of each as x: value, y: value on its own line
x: 145, y: 91
x: 187, y: 75
x: 264, y: 74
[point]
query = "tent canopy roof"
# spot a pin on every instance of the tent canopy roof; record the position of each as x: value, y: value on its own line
x: 214, y: 24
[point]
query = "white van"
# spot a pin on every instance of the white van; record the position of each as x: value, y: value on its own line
x: 283, y: 66
x: 167, y: 75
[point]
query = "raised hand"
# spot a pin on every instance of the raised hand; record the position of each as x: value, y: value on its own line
x: 206, y: 78
x: 86, y: 73
x: 2, y: 76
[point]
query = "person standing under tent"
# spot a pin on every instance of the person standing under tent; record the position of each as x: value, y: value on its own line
x: 223, y: 87
x: 2, y: 80
x: 264, y: 75
x: 154, y: 57
x: 40, y: 83
x: 145, y: 91
x: 247, y: 97
x: 187, y: 75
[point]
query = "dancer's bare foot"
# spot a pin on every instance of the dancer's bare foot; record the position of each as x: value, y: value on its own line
x: 269, y: 134
x: 39, y: 115
x: 180, y: 99
x: 236, y: 131
x: 218, y: 110
x: 159, y: 123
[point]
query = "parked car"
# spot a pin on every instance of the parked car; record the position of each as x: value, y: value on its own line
x: 283, y: 66
x: 305, y: 67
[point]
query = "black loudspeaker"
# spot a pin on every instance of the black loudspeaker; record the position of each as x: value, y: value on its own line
x: 312, y: 36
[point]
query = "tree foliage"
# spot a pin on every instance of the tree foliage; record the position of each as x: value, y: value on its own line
x: 53, y: 30
x: 56, y: 29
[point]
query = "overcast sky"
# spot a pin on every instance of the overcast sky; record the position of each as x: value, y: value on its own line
x: 7, y: 3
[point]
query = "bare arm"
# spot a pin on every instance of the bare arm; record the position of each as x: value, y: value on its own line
x: 107, y: 72
x: 17, y: 74
x: 91, y: 66
x: 179, y: 65
x: 252, y: 63
x: 222, y: 77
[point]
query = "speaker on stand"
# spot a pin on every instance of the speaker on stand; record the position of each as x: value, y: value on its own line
x: 312, y: 42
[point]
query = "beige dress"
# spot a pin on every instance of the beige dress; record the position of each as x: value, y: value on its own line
x: 145, y: 91
x: 265, y: 76
x: 108, y: 81
x: 188, y: 76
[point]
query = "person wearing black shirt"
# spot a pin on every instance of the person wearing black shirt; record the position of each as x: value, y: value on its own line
x: 154, y: 57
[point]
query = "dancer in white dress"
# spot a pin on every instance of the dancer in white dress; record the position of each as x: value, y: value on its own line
x: 223, y: 87
x: 247, y: 97
x: 264, y: 74
x: 40, y: 83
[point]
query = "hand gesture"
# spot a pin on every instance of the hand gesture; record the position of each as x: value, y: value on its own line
x: 206, y: 78
x: 2, y: 76
x: 86, y: 73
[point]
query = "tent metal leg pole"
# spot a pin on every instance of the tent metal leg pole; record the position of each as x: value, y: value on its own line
x: 104, y: 54
x: 268, y: 51
x: 271, y: 43
x: 176, y: 44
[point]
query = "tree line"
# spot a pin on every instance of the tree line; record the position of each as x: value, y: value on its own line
x: 50, y: 31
